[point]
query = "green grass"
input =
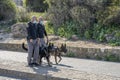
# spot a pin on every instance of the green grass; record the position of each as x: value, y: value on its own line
x: 70, y: 54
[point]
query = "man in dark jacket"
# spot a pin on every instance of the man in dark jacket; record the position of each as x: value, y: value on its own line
x: 32, y: 40
x: 42, y: 32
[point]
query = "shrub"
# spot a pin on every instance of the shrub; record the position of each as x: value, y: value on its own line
x: 81, y: 16
x: 112, y: 57
x: 98, y: 57
x: 7, y: 10
x: 58, y: 12
x: 61, y: 12
x: 67, y: 30
x: 87, y: 35
x: 36, y: 5
x: 23, y: 15
x: 70, y: 54
x: 91, y: 19
x: 24, y: 3
x: 1, y: 17
x: 117, y: 35
x: 61, y: 32
x: 116, y: 38
x: 49, y: 28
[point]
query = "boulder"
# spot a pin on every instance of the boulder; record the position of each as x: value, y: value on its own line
x: 74, y: 37
x: 19, y: 30
x: 109, y: 37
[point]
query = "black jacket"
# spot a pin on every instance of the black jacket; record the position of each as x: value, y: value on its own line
x: 41, y: 30
x: 32, y: 31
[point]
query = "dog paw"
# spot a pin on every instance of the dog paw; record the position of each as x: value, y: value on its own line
x: 56, y: 63
x: 50, y: 65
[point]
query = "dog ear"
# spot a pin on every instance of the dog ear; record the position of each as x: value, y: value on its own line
x: 62, y: 45
x: 52, y: 44
x: 49, y: 44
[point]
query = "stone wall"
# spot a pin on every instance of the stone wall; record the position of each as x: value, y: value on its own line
x: 94, y: 53
x: 11, y: 47
x: 79, y: 52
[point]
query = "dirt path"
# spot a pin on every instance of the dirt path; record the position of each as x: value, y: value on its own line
x: 7, y: 38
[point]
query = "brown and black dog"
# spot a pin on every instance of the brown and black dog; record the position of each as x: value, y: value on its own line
x: 57, y: 51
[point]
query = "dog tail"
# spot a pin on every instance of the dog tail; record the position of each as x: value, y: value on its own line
x: 23, y: 46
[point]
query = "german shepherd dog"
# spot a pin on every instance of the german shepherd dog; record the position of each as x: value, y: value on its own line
x: 43, y: 52
x: 57, y: 51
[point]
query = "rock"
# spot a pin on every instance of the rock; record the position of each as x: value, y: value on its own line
x: 19, y: 30
x: 1, y: 38
x: 2, y: 31
x: 109, y: 37
x: 54, y: 37
x: 74, y: 37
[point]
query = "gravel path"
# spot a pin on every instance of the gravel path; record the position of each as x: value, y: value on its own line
x: 7, y: 38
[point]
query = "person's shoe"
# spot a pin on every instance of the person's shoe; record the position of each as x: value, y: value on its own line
x: 30, y: 64
x: 36, y: 64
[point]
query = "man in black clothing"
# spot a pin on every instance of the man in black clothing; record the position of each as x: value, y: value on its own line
x: 32, y: 40
x: 42, y: 32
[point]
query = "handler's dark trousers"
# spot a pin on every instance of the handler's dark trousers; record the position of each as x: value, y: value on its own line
x: 33, y: 51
